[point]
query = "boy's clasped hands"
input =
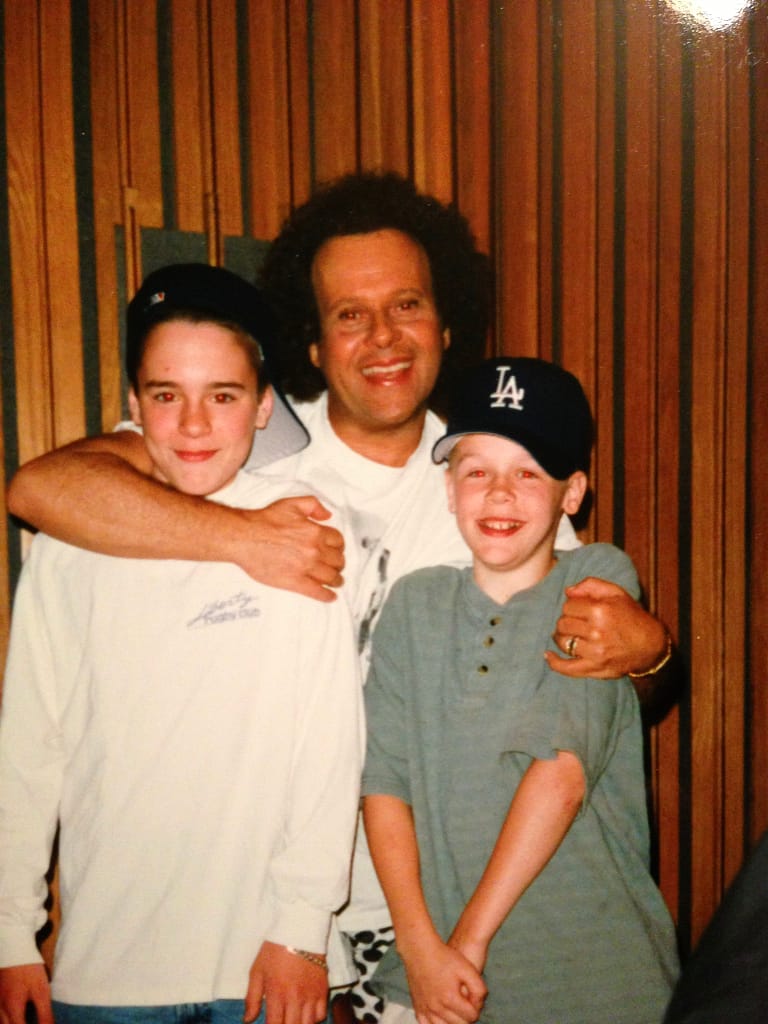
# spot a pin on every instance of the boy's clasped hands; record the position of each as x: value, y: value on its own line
x: 445, y: 979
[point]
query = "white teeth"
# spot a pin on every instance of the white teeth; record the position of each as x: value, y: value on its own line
x: 383, y: 371
x: 502, y: 525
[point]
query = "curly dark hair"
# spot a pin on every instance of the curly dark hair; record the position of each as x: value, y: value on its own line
x: 358, y: 204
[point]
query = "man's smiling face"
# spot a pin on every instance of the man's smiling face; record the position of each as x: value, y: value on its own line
x: 381, y: 342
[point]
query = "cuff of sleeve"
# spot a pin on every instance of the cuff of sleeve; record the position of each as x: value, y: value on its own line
x: 302, y: 926
x: 531, y: 744
x: 17, y: 947
x: 384, y: 785
x: 545, y: 748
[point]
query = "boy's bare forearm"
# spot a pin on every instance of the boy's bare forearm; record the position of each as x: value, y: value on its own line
x: 391, y: 836
x: 97, y: 494
x: 540, y: 814
x: 444, y: 985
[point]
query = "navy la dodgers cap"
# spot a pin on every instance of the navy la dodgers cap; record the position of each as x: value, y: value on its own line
x: 536, y: 403
x: 215, y: 291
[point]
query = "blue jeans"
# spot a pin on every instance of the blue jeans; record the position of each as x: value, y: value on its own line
x: 220, y: 1011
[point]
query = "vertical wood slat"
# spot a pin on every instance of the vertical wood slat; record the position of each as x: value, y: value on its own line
x: 548, y: 185
x: 210, y: 212
x: 270, y: 158
x: 109, y: 177
x: 140, y: 73
x: 384, y: 107
x: 130, y: 216
x: 227, y: 185
x: 299, y: 127
x: 640, y: 289
x: 191, y: 116
x: 26, y: 230
x: 735, y: 443
x: 60, y: 222
x: 472, y: 129
x: 578, y: 184
x: 664, y: 593
x: 334, y: 77
x: 707, y: 537
x: 602, y: 519
x: 757, y: 526
x: 517, y: 179
x: 432, y: 97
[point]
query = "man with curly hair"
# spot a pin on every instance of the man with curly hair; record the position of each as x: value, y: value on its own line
x: 382, y: 297
x: 369, y: 207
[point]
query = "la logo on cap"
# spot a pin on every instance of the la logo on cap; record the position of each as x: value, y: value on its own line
x: 507, y: 393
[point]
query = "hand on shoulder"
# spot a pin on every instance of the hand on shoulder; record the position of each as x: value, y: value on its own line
x: 605, y: 633
x: 287, y: 545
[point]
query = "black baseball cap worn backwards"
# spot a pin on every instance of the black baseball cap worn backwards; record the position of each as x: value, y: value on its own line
x: 531, y: 401
x: 214, y: 291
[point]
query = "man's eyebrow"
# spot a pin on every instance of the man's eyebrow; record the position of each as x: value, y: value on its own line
x: 408, y: 289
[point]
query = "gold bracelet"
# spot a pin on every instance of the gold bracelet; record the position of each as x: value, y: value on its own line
x: 659, y: 664
x: 313, y: 958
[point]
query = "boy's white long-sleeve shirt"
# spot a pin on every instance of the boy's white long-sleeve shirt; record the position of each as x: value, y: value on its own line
x: 200, y: 737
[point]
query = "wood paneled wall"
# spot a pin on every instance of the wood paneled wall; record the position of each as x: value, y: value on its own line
x: 612, y: 155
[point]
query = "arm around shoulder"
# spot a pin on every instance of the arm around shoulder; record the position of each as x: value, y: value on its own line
x: 606, y: 633
x: 47, y: 491
x: 98, y: 494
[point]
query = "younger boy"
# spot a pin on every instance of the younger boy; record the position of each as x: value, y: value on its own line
x: 198, y: 735
x: 505, y: 805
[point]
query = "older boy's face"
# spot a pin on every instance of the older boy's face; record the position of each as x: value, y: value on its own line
x: 507, y: 507
x: 198, y: 404
x: 381, y: 341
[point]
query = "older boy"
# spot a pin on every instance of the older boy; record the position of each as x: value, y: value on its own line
x: 504, y: 805
x: 197, y: 734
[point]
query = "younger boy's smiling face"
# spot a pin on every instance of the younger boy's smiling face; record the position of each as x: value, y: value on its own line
x: 198, y: 404
x: 507, y: 509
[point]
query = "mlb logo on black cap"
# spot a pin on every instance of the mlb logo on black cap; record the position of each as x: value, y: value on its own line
x: 507, y: 393
x: 531, y: 401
